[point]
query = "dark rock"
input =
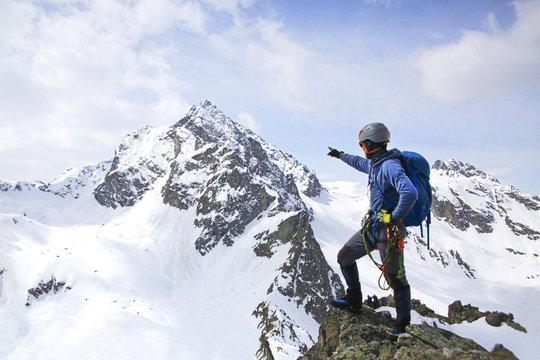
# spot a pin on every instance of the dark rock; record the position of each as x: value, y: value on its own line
x: 530, y: 202
x: 122, y: 188
x: 423, y: 310
x: 499, y: 352
x: 344, y: 335
x: 232, y: 180
x: 44, y: 288
x: 444, y: 209
x: 454, y: 168
x: 496, y: 318
x: 461, y: 215
x: 469, y: 271
x: 457, y: 313
x: 515, y: 252
x: 131, y: 175
x: 521, y: 229
x: 305, y: 277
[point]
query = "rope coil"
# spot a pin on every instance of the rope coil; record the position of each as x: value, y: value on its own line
x: 396, y: 244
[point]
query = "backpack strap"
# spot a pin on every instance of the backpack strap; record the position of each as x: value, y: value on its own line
x: 373, y: 179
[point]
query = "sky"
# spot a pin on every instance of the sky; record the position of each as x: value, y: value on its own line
x: 454, y: 79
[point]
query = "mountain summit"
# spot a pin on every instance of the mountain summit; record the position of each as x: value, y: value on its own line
x: 225, y: 178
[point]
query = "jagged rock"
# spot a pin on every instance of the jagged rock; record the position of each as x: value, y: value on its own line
x: 232, y: 177
x: 457, y: 313
x: 499, y: 352
x: 287, y: 229
x: 467, y: 268
x: 496, y: 318
x: 521, y: 229
x: 492, y: 201
x: 121, y: 188
x: 20, y: 186
x: 455, y: 168
x: 274, y: 323
x: 444, y: 209
x: 134, y: 168
x: 460, y: 214
x: 531, y: 202
x: 305, y: 277
x: 423, y: 310
x: 344, y: 335
x: 515, y: 252
x: 44, y: 288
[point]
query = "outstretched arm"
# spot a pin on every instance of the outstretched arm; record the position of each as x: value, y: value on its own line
x: 357, y: 162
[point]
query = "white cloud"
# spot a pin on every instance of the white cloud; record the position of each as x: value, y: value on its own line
x: 487, y: 63
x: 249, y: 121
x: 76, y: 78
x: 230, y: 5
x: 491, y: 23
x: 156, y: 16
x: 270, y: 58
x: 9, y: 139
x: 500, y: 171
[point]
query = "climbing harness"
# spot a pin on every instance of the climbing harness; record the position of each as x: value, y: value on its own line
x: 396, y: 244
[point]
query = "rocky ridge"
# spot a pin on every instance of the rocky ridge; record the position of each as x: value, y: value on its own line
x: 481, y: 205
x: 366, y: 335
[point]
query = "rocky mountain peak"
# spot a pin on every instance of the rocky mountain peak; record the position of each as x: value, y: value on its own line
x: 455, y: 168
x: 210, y: 124
x: 224, y: 179
x: 207, y: 141
x: 465, y: 196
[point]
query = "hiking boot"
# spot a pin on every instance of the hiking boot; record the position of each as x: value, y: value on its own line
x: 399, y: 329
x: 351, y: 301
x: 402, y: 295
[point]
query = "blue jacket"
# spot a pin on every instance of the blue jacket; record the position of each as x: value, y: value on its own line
x: 392, y: 180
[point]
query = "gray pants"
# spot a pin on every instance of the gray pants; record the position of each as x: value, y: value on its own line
x: 355, y: 249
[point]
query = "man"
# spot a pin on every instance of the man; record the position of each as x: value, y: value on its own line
x: 392, y: 196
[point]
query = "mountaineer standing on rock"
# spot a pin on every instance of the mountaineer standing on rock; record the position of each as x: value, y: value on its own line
x: 383, y: 228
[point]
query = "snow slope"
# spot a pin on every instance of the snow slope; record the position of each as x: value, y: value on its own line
x: 136, y: 292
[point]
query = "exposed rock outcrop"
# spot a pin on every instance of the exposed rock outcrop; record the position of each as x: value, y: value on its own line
x: 44, y: 288
x: 366, y: 335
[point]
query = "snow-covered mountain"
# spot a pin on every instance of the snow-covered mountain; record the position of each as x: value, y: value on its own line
x: 193, y: 240
x: 203, y: 241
